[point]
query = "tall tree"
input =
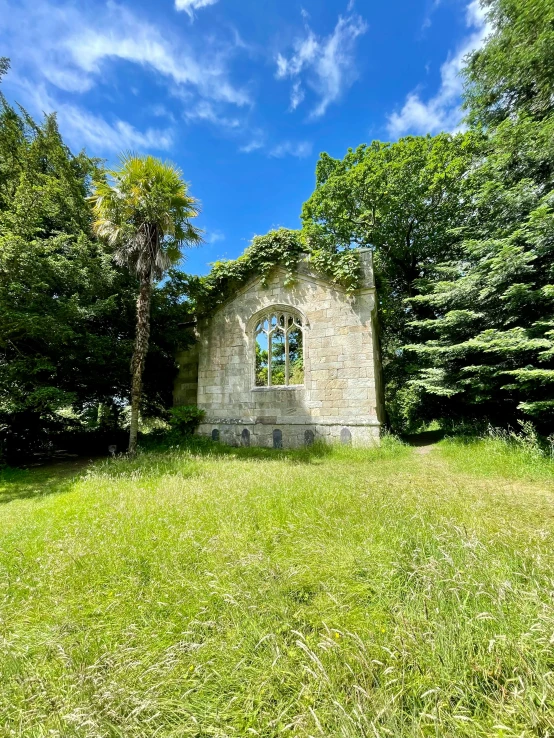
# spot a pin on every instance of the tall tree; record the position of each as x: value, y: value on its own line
x: 487, y: 347
x: 143, y: 210
x: 62, y: 303
x: 405, y: 200
x: 514, y: 70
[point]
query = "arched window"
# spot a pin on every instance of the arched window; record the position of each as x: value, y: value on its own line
x: 279, y: 340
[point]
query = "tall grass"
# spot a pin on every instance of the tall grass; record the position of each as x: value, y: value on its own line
x: 206, y: 591
x: 522, y: 455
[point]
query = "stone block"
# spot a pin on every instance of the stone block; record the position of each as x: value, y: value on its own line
x: 338, y: 363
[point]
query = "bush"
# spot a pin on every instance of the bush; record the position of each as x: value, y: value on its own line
x: 185, y: 419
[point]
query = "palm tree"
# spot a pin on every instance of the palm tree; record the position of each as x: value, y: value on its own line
x: 143, y: 210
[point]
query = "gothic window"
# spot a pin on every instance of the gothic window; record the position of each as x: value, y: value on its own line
x: 279, y: 349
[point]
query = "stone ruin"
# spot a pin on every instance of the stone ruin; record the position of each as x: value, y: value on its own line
x: 284, y: 366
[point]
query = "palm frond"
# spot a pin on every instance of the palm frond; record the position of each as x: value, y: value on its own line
x: 143, y: 210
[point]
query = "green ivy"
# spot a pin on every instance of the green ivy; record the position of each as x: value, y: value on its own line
x: 281, y: 247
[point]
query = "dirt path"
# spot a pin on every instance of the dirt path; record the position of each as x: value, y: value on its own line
x: 424, y: 443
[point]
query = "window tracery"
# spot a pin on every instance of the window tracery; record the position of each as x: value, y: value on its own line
x: 279, y: 341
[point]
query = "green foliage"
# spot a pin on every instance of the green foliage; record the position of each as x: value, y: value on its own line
x: 486, y: 343
x: 514, y: 70
x: 405, y: 201
x: 4, y: 66
x: 185, y: 419
x: 66, y: 311
x: 342, y: 267
x: 143, y: 210
x: 281, y: 247
x: 278, y: 248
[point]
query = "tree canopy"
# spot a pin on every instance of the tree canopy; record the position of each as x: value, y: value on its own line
x: 66, y: 310
x: 514, y: 70
x: 461, y: 226
x: 462, y: 233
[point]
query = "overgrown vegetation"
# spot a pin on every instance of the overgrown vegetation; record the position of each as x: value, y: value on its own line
x: 279, y: 248
x: 209, y: 591
x: 462, y: 231
x: 461, y: 227
x: 66, y: 310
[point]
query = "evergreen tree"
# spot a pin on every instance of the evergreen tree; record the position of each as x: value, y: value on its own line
x: 488, y: 349
x: 144, y: 212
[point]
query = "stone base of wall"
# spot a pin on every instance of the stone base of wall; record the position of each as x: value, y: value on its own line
x: 290, y: 435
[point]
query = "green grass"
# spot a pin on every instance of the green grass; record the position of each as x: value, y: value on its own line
x: 328, y: 592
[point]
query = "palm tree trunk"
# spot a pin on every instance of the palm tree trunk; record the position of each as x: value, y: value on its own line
x: 139, y: 357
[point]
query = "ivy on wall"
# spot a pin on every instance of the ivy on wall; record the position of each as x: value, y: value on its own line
x: 281, y: 247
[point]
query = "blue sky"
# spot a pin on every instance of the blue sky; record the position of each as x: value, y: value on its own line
x: 241, y: 94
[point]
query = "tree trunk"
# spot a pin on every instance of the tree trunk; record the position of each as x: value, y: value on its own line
x: 139, y: 357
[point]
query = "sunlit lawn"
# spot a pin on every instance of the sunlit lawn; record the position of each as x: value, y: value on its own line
x: 210, y: 592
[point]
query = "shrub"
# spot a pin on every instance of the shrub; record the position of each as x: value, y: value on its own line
x: 184, y: 419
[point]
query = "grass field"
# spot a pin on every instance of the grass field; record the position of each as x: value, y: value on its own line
x: 210, y: 592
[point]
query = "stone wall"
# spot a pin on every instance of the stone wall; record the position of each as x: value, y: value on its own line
x: 339, y: 399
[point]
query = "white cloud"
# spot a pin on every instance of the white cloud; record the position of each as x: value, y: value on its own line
x: 160, y: 111
x: 189, y: 6
x: 205, y: 111
x: 71, y: 48
x: 136, y: 41
x: 301, y: 149
x: 82, y: 128
x: 214, y: 236
x: 427, y: 21
x: 442, y: 111
x: 327, y: 63
x: 254, y: 145
x: 297, y: 95
x: 257, y: 142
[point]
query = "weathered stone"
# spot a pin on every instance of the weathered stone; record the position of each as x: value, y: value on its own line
x: 341, y: 387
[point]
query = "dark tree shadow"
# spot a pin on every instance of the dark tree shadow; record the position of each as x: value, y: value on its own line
x: 36, y: 482
x: 427, y: 438
x: 59, y: 477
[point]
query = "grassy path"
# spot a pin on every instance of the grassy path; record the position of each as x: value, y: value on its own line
x: 316, y: 593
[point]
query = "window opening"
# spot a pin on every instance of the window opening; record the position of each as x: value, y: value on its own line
x: 279, y: 350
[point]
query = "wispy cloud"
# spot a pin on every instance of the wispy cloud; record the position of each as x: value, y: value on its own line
x: 126, y: 37
x: 189, y: 6
x: 71, y: 48
x: 257, y: 141
x: 300, y: 149
x: 428, y: 20
x: 442, y: 110
x: 253, y: 145
x: 297, y: 95
x: 205, y: 111
x: 325, y: 64
x: 82, y: 128
x: 214, y: 236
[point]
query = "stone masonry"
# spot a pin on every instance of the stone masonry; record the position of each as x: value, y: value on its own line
x: 340, y: 400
